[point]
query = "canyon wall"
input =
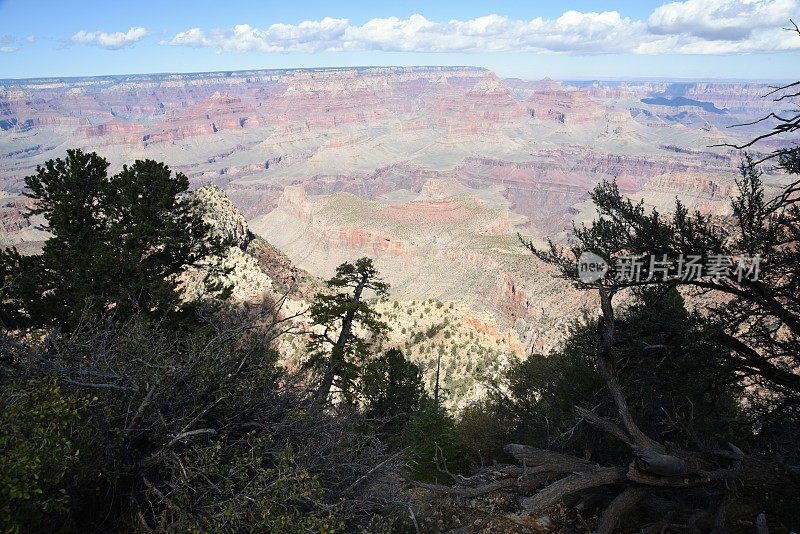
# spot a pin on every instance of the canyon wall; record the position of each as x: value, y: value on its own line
x: 430, y: 170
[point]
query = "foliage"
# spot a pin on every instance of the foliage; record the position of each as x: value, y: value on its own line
x: 434, y: 329
x: 753, y: 324
x: 484, y: 428
x: 677, y: 387
x: 192, y: 426
x: 197, y: 430
x: 284, y: 498
x: 435, y: 446
x: 345, y: 311
x: 392, y: 389
x: 118, y: 243
x: 39, y: 457
x: 745, y: 351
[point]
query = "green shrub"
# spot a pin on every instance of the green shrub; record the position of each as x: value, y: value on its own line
x: 484, y: 431
x: 220, y: 479
x: 435, y: 444
x: 393, y: 392
x: 38, y: 456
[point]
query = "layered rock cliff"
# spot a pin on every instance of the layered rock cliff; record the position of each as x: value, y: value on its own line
x: 432, y: 171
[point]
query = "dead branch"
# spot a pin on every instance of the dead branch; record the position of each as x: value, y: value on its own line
x: 185, y: 435
x: 783, y: 88
x: 371, y: 472
x: 621, y: 505
x: 550, y: 460
x: 559, y: 489
x: 605, y: 367
x: 654, y: 467
x: 603, y: 424
x: 166, y: 500
x: 658, y: 464
x: 142, y: 407
x: 681, y: 481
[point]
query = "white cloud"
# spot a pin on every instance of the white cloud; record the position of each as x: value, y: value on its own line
x: 689, y: 27
x: 7, y: 49
x: 308, y: 36
x: 720, y: 20
x: 573, y: 31
x: 111, y: 41
x: 722, y: 27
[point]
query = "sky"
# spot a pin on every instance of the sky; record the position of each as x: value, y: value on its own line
x: 570, y: 39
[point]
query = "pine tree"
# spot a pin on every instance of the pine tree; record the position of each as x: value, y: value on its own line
x: 338, y: 359
x: 435, y: 446
x: 157, y: 232
x: 756, y: 318
x: 118, y: 244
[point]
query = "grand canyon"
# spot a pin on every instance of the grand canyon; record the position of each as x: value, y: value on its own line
x: 400, y: 267
x: 431, y: 171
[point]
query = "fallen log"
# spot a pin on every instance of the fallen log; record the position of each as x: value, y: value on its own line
x: 559, y: 489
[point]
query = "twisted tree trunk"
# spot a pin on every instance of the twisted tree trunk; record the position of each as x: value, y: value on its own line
x: 338, y: 351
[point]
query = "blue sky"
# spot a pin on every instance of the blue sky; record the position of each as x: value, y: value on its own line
x: 586, y: 39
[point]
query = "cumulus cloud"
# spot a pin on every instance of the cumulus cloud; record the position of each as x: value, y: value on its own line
x: 308, y: 36
x: 688, y: 27
x: 111, y: 41
x: 721, y: 27
x: 720, y: 20
x: 573, y: 31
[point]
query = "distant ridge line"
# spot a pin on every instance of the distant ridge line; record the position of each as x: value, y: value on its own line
x: 230, y: 73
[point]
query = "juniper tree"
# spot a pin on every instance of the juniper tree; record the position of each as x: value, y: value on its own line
x: 339, y: 314
x: 750, y: 338
x: 158, y: 232
x: 118, y: 244
x: 757, y: 319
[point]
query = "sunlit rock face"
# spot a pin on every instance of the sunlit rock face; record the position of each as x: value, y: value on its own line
x: 223, y: 215
x: 240, y: 270
x: 431, y: 171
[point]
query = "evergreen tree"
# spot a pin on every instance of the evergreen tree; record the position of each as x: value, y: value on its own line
x: 157, y: 232
x: 751, y: 329
x: 678, y: 386
x: 338, y: 360
x: 754, y: 315
x: 393, y: 392
x: 435, y: 447
x: 118, y: 244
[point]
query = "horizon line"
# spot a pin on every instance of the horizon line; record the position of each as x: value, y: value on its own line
x: 390, y: 67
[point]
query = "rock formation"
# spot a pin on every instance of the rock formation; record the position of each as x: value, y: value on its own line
x: 431, y: 171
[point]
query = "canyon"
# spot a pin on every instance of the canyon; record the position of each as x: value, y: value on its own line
x: 431, y: 171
